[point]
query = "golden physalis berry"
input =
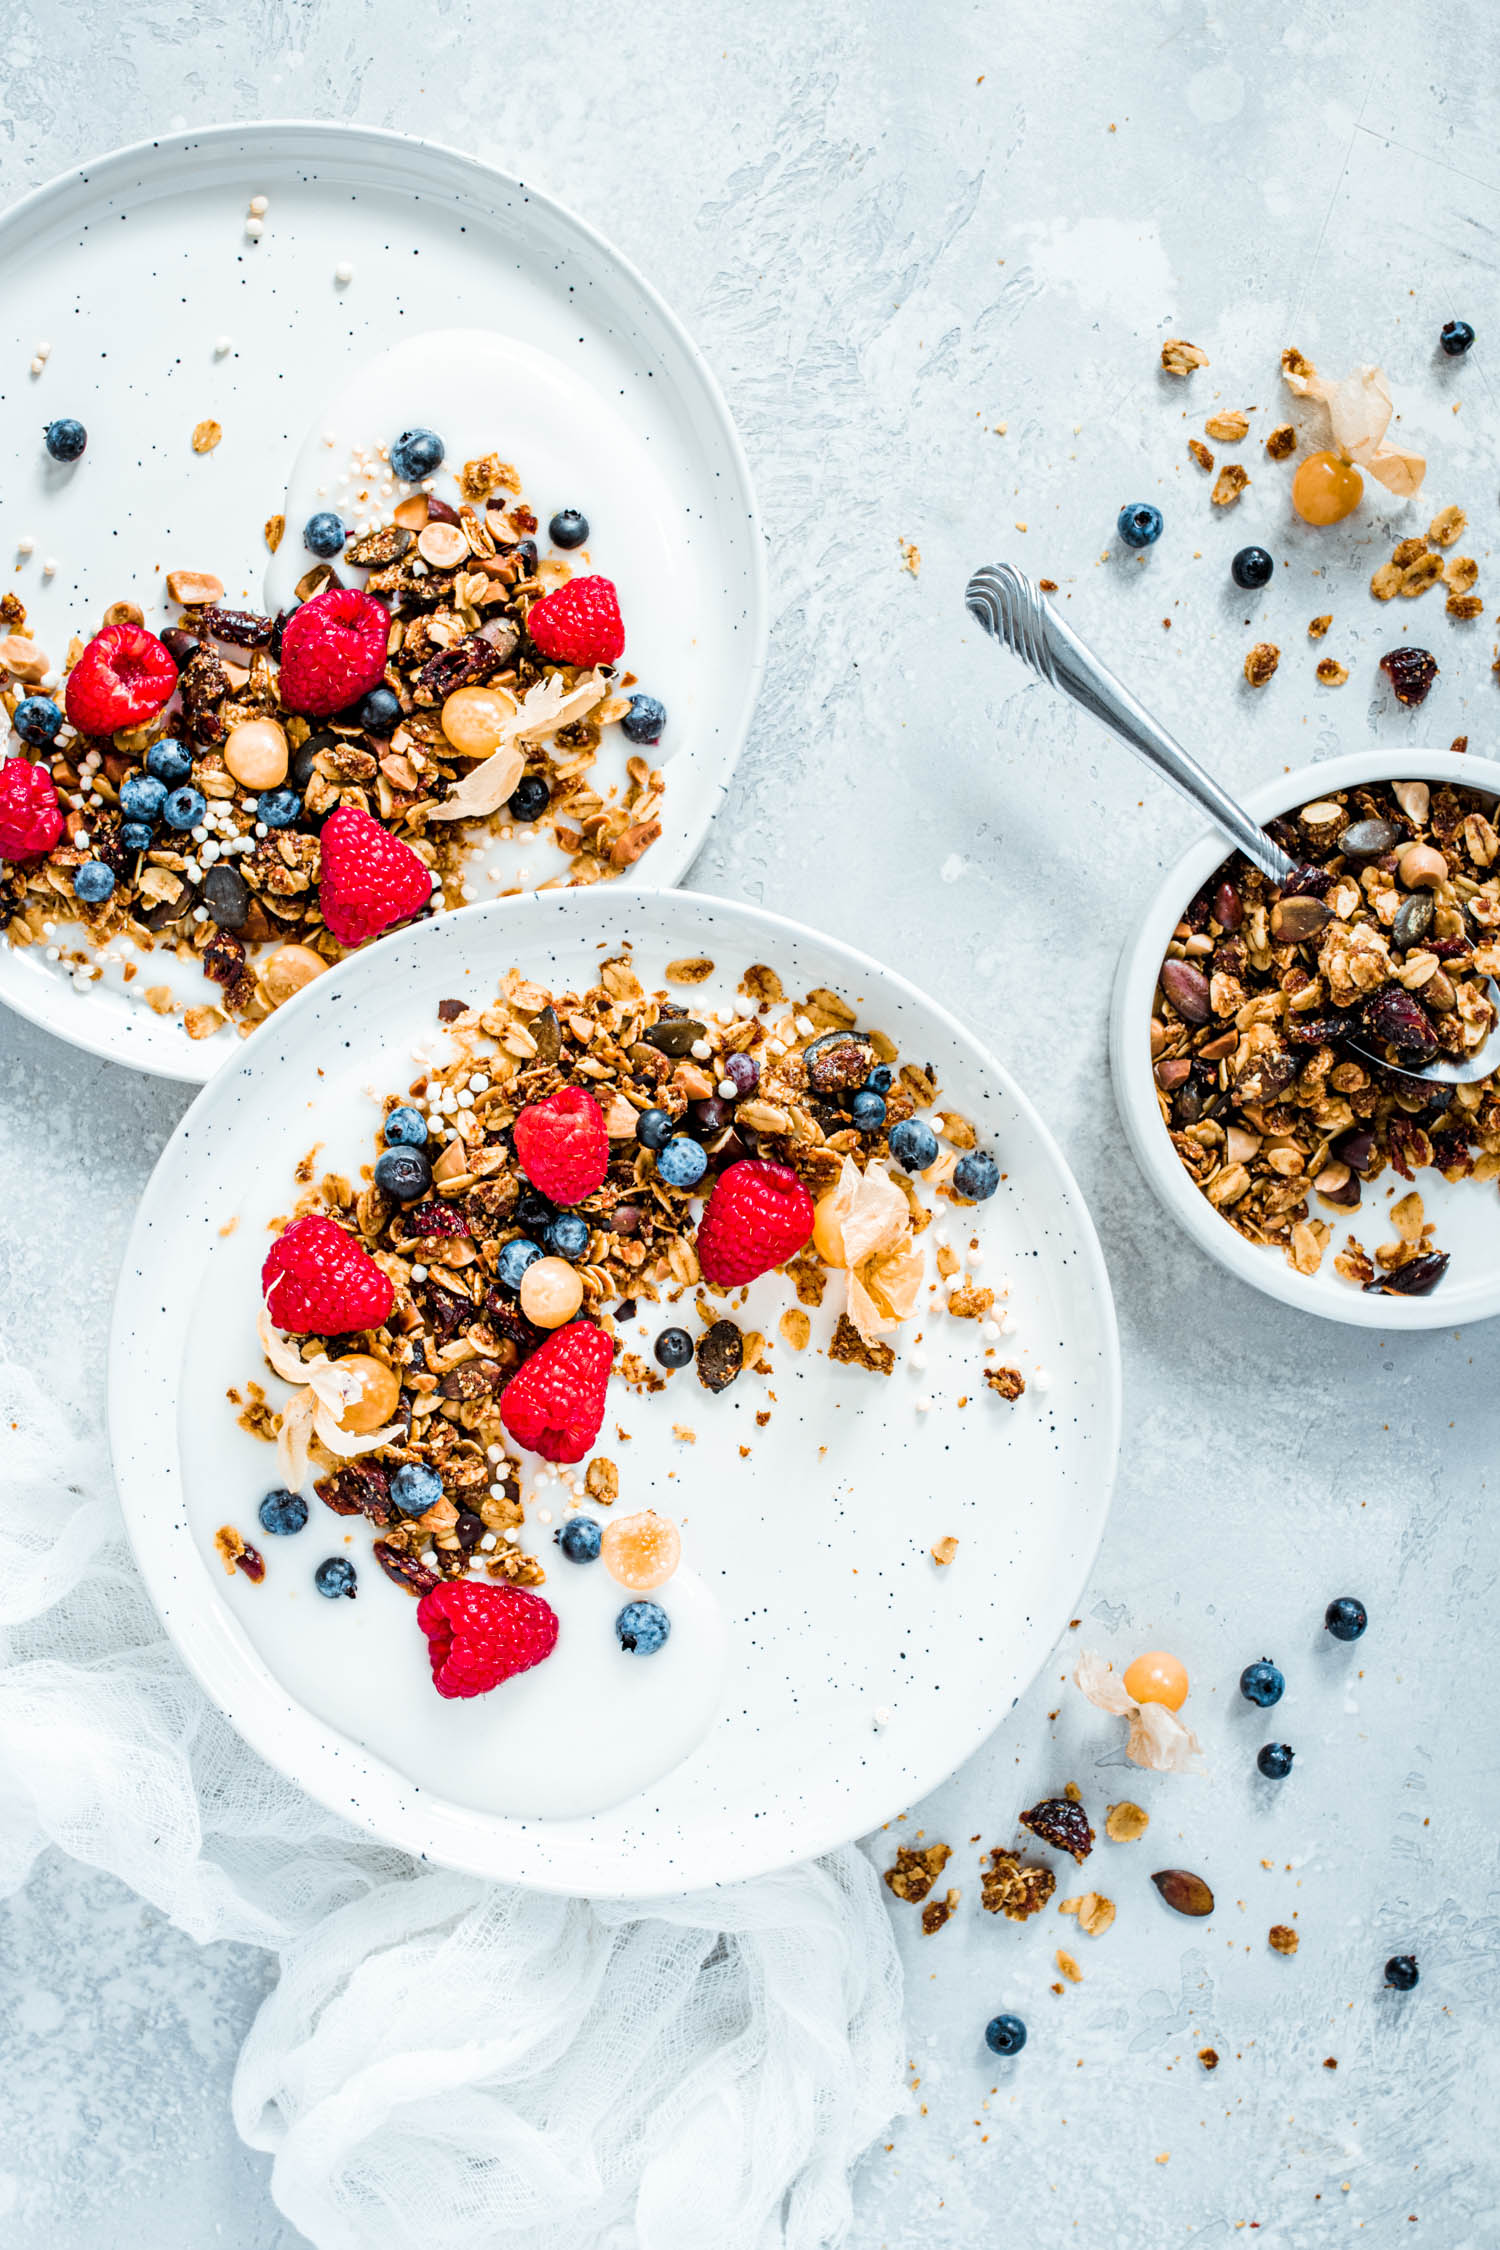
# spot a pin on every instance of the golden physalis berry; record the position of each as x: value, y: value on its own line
x: 828, y: 1231
x: 376, y: 1403
x: 641, y: 1551
x: 1326, y: 488
x: 1157, y: 1678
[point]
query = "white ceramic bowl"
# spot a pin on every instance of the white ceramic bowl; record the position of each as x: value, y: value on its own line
x: 1467, y: 1216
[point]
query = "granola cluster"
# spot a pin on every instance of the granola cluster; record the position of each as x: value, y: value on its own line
x: 1283, y: 1018
x: 240, y: 896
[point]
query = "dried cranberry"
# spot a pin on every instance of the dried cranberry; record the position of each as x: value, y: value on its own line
x: 1417, y: 1278
x: 1307, y: 882
x: 242, y: 628
x: 1061, y: 1822
x: 404, y: 1569
x: 433, y: 1220
x: 1411, y: 672
x: 1393, y: 1018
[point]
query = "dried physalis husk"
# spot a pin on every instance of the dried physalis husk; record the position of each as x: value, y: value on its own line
x: 1158, y: 1739
x: 1359, y: 411
x: 1183, y: 1892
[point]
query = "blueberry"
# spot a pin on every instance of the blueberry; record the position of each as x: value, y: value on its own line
x: 416, y: 454
x: 568, y: 528
x: 278, y: 808
x: 93, y: 882
x: 530, y: 797
x: 380, y: 713
x: 568, y: 1236
x: 674, y: 1347
x: 1275, y: 1760
x: 682, y: 1163
x: 1401, y: 1971
x: 1262, y: 1684
x: 1345, y: 1618
x: 913, y: 1144
x: 324, y: 534
x: 405, y: 1128
x: 66, y: 439
x: 644, y: 720
x: 226, y: 894
x: 1139, y: 524
x: 136, y: 836
x: 514, y: 1259
x: 282, y: 1513
x: 643, y: 1628
x: 170, y: 762
x: 654, y: 1128
x: 867, y: 1112
x: 711, y: 1115
x: 1005, y: 2035
x: 415, y: 1488
x: 743, y: 1073
x: 335, y: 1577
x: 184, y: 808
x: 534, y: 1212
x: 37, y: 719
x: 1251, y: 567
x: 403, y: 1173
x: 142, y: 796
x: 580, y: 1539
x: 1455, y: 336
x: 976, y: 1176
x: 880, y: 1081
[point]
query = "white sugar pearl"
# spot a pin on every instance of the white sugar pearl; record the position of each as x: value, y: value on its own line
x: 883, y: 1715
x: 223, y: 346
x: 200, y: 913
x: 727, y: 1089
x: 54, y: 953
x: 974, y: 1257
x: 36, y: 367
x: 1041, y: 1380
x: 82, y: 839
x: 26, y: 546
x: 923, y: 1405
x: 489, y: 1542
x: 255, y: 228
x: 494, y: 1453
x: 81, y: 980
x: 544, y: 1515
x: 192, y: 870
x: 479, y: 1083
x: 991, y: 1331
x: 44, y: 351
x: 916, y: 1361
x: 466, y: 1099
x: 200, y: 834
x: 700, y: 1050
x: 261, y: 828
x: 343, y: 271
x: 429, y: 1557
x: 419, y: 1273
x: 259, y: 206
x: 249, y: 804
x: 49, y: 567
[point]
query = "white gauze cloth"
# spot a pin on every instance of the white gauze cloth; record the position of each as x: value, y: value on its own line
x: 444, y: 2062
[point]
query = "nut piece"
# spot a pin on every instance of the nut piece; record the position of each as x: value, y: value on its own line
x: 1262, y: 662
x: 1062, y: 1823
x: 1422, y: 867
x: 1184, y: 1893
x: 275, y: 531
x: 206, y: 436
x: 194, y: 586
x: 1126, y: 1822
x: 1179, y: 357
x: 1229, y: 484
x: 1228, y: 428
x: 1282, y: 1938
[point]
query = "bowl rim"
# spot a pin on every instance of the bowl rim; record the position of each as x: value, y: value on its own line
x: 1130, y: 1060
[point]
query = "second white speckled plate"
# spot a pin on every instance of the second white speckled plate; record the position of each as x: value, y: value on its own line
x: 811, y: 1530
x: 134, y: 266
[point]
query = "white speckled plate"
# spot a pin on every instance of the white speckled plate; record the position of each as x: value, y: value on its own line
x: 133, y: 267
x: 811, y: 1532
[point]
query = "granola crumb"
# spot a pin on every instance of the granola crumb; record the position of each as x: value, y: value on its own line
x: 850, y: 1349
x: 1179, y: 357
x: 1125, y: 1822
x: 1200, y: 454
x: 1465, y: 606
x: 236, y: 1553
x: 1282, y: 1938
x: 911, y: 557
x: 1261, y: 663
x: 1282, y: 441
x: 1068, y: 1967
x: 1230, y: 482
x: 1332, y: 673
x: 1447, y: 525
x: 1006, y: 1382
x: 1228, y: 427
x: 1318, y: 626
x: 795, y: 1328
x: 275, y: 530
x: 1095, y: 1912
x: 915, y: 1872
x: 1209, y: 2057
x: 1014, y: 1887
x: 206, y: 436
x: 944, y: 1550
x: 937, y: 1911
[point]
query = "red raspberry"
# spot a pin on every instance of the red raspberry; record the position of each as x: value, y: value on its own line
x: 579, y: 624
x: 369, y: 878
x: 758, y: 1216
x: 562, y: 1146
x: 318, y: 1281
x: 123, y: 678
x: 479, y: 1635
x: 333, y: 651
x: 554, y: 1403
x: 31, y: 819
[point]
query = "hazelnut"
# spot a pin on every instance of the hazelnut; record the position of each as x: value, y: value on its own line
x: 1422, y: 867
x: 288, y: 969
x: 256, y: 753
x: 551, y: 1292
x: 376, y: 1403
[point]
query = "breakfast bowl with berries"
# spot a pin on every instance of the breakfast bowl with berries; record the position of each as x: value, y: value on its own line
x: 641, y: 1390
x: 1268, y: 1043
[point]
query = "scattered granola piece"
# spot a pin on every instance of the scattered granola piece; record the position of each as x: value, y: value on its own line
x: 1282, y: 441
x: 795, y: 1327
x: 206, y: 436
x: 236, y: 1553
x: 911, y: 556
x: 944, y: 1550
x: 1209, y: 2058
x: 1126, y: 1822
x: 1095, y: 1912
x: 915, y: 1872
x: 1465, y: 606
x: 1068, y: 1967
x: 1385, y: 582
x: 601, y: 1481
x: 692, y: 969
x: 1332, y: 673
x: 1261, y: 663
x: 1419, y: 575
x: 1062, y: 1823
x: 850, y: 1349
x: 1318, y: 626
x: 1460, y: 573
x: 937, y: 1911
x: 1179, y: 357
x: 1006, y: 1382
x: 1282, y: 1938
x: 1201, y: 454
x: 1014, y: 1887
x: 1228, y: 427
x: 969, y: 1302
x: 1447, y: 525
x: 1229, y: 484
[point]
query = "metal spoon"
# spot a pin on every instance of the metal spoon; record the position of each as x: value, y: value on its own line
x: 1010, y: 607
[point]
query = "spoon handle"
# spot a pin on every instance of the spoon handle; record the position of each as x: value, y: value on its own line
x: 1010, y: 608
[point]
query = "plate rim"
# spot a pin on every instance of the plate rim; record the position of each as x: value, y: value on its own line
x: 208, y: 1638
x: 95, y: 1038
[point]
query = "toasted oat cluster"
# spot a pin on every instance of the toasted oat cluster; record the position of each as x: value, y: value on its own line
x: 239, y: 893
x: 769, y: 1079
x: 1282, y: 1019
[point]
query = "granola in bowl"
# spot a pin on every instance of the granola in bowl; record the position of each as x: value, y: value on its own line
x: 215, y: 811
x: 1282, y: 1018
